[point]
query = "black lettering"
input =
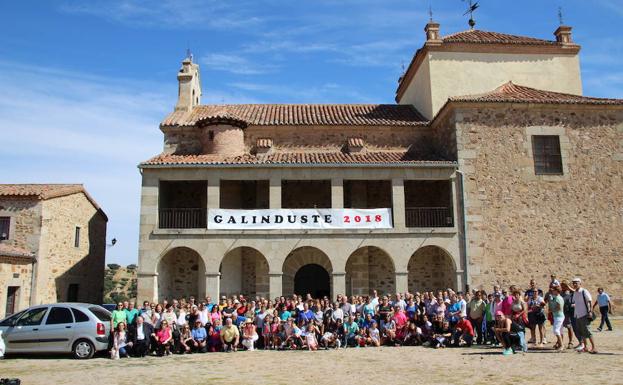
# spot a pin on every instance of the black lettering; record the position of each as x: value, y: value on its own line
x: 327, y: 219
x: 232, y: 220
x: 316, y: 217
x: 265, y: 218
x: 291, y: 218
x: 218, y: 218
x: 254, y: 219
x: 243, y: 220
x: 278, y: 219
x: 303, y: 218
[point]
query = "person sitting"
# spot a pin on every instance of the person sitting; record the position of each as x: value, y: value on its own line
x: 230, y: 336
x: 388, y: 327
x: 413, y: 335
x: 164, y: 339
x: 120, y: 336
x: 442, y: 334
x: 186, y: 339
x: 374, y: 335
x: 310, y: 337
x: 140, y: 337
x: 199, y: 337
x: 463, y: 331
x: 351, y: 330
x: 508, y: 332
x: 329, y: 338
x: 249, y: 335
x: 214, y: 338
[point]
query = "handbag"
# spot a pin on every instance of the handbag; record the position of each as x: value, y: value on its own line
x: 591, y: 313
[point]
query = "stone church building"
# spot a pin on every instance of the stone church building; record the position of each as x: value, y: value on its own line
x: 492, y: 164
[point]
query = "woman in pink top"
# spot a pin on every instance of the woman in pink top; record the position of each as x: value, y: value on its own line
x: 401, y: 320
x: 164, y: 338
x: 215, y: 314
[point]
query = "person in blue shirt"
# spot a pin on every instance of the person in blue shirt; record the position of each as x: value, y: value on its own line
x: 200, y: 337
x: 285, y: 314
x: 306, y: 315
x: 605, y: 308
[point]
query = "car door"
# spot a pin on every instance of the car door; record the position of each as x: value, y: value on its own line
x: 57, y: 332
x: 23, y: 336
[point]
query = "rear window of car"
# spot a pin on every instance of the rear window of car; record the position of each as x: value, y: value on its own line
x: 80, y: 316
x: 101, y: 313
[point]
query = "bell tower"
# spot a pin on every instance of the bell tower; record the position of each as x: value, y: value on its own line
x: 189, y: 94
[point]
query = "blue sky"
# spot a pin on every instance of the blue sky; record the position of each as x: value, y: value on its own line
x: 84, y: 84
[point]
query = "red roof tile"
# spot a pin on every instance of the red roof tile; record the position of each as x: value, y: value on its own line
x: 301, y: 114
x: 294, y: 158
x: 476, y: 36
x: 45, y: 191
x: 514, y: 93
x: 7, y: 250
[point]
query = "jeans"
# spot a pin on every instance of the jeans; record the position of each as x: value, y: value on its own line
x: 604, y: 317
x: 123, y: 352
x: 477, y: 325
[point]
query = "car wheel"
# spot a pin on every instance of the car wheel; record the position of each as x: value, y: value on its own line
x: 83, y: 349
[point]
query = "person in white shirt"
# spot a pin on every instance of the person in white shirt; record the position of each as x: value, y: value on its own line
x: 338, y: 313
x: 605, y: 308
x: 582, y: 313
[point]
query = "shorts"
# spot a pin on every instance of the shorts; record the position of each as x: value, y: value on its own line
x: 567, y: 322
x: 536, y: 318
x: 557, y: 325
x: 581, y: 325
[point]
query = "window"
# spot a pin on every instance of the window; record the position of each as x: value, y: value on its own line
x: 5, y: 226
x: 72, y: 292
x: 59, y: 315
x: 32, y: 317
x: 79, y: 316
x: 101, y: 313
x: 77, y: 237
x: 546, y: 153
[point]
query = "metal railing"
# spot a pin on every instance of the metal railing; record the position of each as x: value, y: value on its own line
x: 429, y: 217
x: 186, y: 218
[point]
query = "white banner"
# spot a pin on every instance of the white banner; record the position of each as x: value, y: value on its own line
x: 298, y: 219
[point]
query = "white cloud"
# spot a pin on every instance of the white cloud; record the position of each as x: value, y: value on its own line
x: 236, y: 64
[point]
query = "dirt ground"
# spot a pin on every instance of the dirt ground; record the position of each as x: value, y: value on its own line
x: 385, y: 365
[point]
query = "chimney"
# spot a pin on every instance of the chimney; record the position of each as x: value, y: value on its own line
x: 432, y: 33
x: 189, y: 94
x: 563, y: 35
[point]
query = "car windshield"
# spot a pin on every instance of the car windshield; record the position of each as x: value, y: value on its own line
x: 101, y: 313
x: 9, y: 321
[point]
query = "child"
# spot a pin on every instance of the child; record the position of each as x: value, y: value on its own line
x: 374, y: 338
x: 362, y: 338
x: 310, y: 337
x: 266, y: 332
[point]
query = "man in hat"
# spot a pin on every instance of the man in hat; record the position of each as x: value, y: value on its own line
x: 200, y: 337
x: 249, y: 334
x: 583, y: 315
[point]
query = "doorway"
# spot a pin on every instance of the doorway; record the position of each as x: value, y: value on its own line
x: 312, y: 279
x: 11, y: 300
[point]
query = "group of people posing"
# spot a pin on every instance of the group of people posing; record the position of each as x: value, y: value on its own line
x: 438, y: 320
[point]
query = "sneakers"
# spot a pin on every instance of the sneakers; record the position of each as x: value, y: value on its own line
x: 544, y: 341
x: 507, y: 352
x: 579, y: 348
x: 598, y: 329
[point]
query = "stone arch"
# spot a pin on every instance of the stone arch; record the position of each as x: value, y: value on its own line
x: 370, y: 268
x: 181, y: 273
x: 431, y: 268
x: 244, y: 270
x: 298, y: 258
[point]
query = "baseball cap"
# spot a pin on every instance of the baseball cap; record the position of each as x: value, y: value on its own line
x: 576, y: 279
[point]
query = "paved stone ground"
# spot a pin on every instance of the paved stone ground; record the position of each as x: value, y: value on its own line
x: 345, y: 366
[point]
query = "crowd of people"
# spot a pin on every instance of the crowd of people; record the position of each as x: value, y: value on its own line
x: 438, y: 320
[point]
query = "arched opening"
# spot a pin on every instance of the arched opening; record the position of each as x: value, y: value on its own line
x: 244, y: 270
x: 312, y: 279
x: 181, y: 273
x: 370, y: 268
x: 431, y: 268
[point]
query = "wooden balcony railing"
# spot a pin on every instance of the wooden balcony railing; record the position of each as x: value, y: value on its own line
x: 429, y: 217
x: 190, y: 218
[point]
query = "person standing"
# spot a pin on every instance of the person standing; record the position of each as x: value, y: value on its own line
x: 583, y: 316
x: 605, y: 308
x: 476, y: 312
x: 556, y: 306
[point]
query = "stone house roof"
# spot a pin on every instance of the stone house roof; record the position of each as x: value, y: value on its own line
x: 299, y: 114
x: 46, y: 191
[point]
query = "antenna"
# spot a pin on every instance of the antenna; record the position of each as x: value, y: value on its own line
x: 560, y: 20
x: 472, y: 7
x: 430, y: 10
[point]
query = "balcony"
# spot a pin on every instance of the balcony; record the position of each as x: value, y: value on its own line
x: 429, y: 217
x: 180, y: 218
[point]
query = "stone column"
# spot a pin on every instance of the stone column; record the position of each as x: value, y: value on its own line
x: 398, y: 199
x: 274, y: 199
x: 339, y: 283
x: 214, y: 194
x: 147, y: 287
x: 213, y: 286
x: 275, y: 285
x: 337, y: 193
x: 402, y: 282
x: 460, y: 284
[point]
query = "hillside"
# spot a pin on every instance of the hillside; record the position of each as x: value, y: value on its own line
x: 119, y: 283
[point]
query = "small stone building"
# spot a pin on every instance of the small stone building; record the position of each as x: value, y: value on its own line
x: 52, y: 246
x: 494, y: 166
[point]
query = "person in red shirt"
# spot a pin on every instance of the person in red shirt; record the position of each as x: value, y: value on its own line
x: 463, y: 330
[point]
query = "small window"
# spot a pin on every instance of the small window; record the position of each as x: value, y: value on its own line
x: 32, y: 317
x: 5, y: 226
x: 72, y: 292
x: 546, y: 154
x: 77, y: 237
x: 79, y: 316
x: 59, y: 315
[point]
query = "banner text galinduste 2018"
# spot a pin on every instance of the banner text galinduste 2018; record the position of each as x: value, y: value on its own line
x: 299, y: 219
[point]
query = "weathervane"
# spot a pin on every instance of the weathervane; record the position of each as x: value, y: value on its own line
x: 430, y: 10
x: 472, y: 7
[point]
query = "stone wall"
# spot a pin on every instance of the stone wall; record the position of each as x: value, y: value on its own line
x: 244, y: 271
x: 179, y: 274
x: 430, y: 268
x: 15, y: 272
x: 60, y: 262
x: 25, y: 217
x: 523, y: 226
x: 367, y: 269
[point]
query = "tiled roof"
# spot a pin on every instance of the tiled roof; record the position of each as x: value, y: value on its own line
x: 301, y: 114
x: 476, y: 36
x: 7, y: 250
x: 45, y: 191
x: 295, y: 158
x: 514, y: 93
